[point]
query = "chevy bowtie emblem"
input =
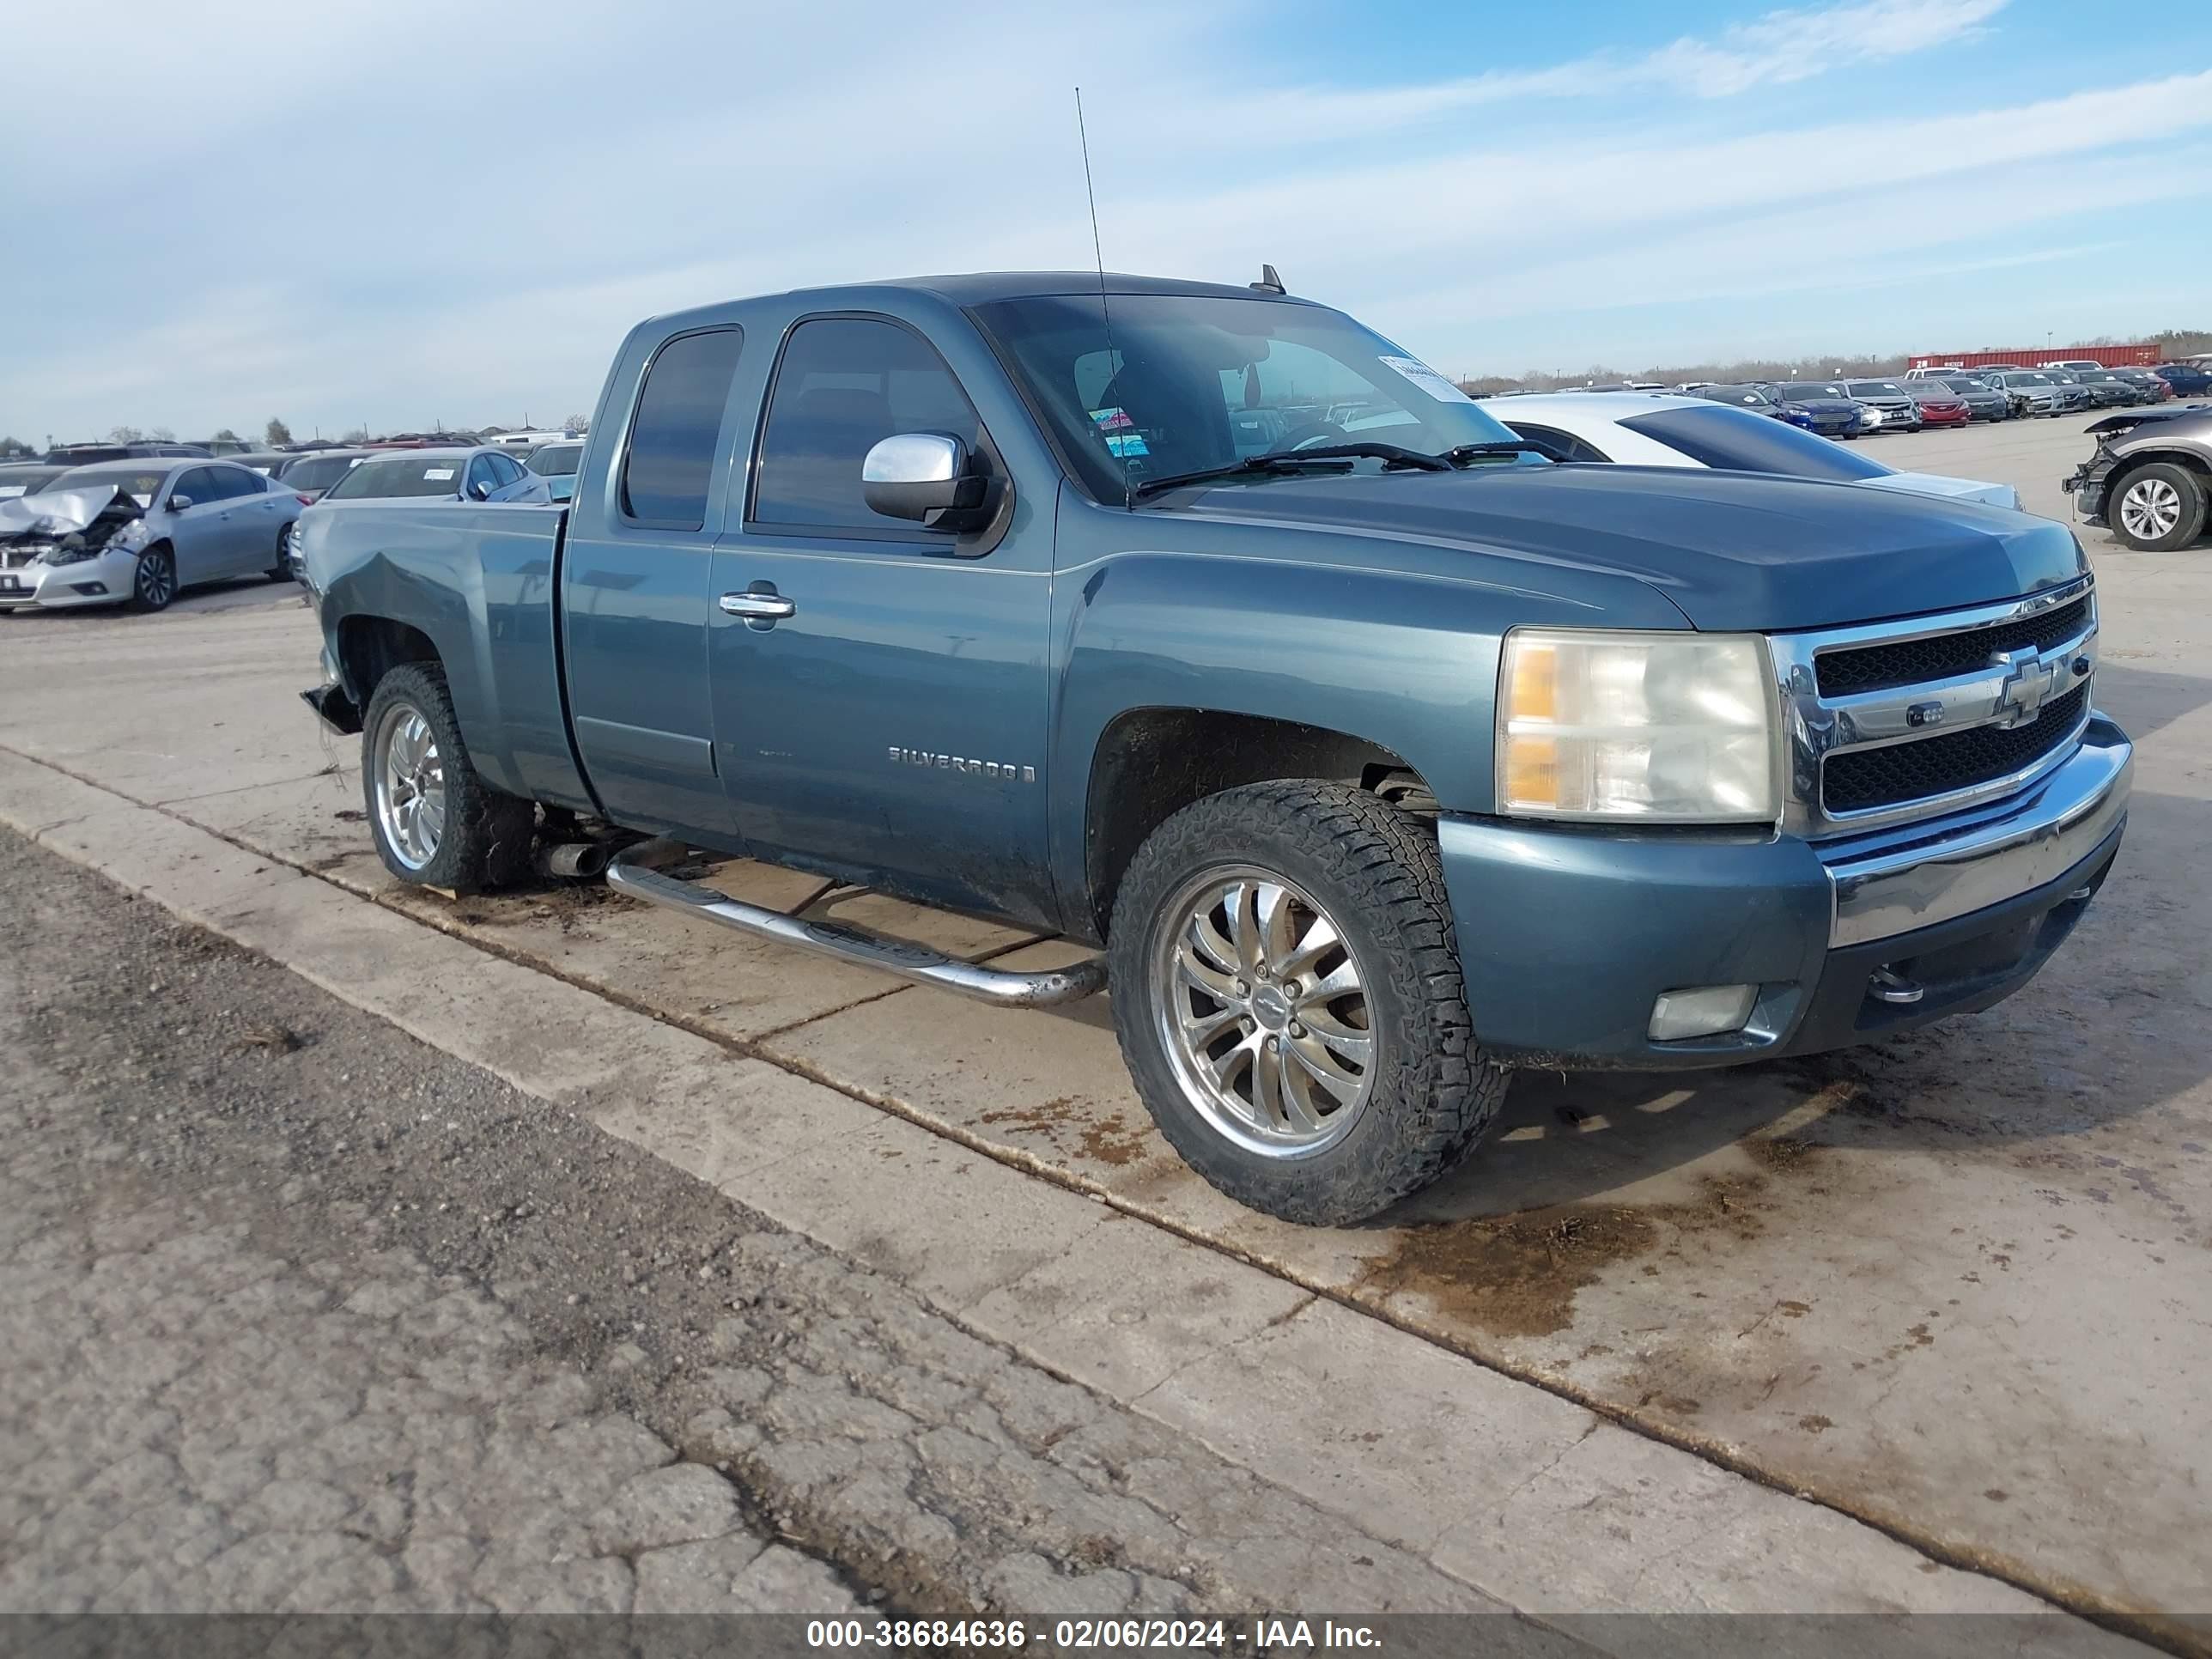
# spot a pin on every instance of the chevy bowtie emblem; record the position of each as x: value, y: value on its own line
x: 2027, y: 684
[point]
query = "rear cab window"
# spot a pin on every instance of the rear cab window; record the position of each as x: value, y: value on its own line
x: 675, y: 435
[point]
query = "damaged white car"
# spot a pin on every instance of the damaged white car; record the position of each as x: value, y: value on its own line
x: 140, y: 531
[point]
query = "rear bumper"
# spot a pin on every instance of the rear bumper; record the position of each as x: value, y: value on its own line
x: 1568, y: 937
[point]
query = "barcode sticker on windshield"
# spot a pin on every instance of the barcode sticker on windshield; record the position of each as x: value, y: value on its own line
x: 437, y: 474
x: 1428, y: 380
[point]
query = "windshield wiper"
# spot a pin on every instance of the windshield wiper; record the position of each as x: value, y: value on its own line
x: 1278, y: 463
x: 1466, y: 454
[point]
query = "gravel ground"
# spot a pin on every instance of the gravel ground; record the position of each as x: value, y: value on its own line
x: 302, y: 1314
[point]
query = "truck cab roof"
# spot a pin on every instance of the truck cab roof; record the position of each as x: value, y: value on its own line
x: 981, y: 287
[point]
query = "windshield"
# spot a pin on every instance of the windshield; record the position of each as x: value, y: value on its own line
x: 2027, y: 379
x: 401, y: 475
x: 555, y: 460
x: 1194, y: 381
x: 1875, y: 388
x: 1805, y: 391
x: 1743, y: 442
x: 1755, y: 395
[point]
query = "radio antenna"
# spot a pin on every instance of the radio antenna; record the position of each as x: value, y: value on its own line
x: 1114, y: 444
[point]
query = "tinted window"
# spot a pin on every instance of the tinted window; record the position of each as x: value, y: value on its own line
x: 677, y: 431
x: 480, y: 472
x: 845, y: 383
x: 198, y: 483
x: 1744, y: 443
x: 230, y: 482
x: 504, y: 470
x: 555, y: 460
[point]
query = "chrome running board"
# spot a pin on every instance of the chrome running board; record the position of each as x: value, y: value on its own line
x: 631, y: 871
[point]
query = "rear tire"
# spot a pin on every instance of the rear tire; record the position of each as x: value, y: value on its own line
x: 435, y: 823
x: 2157, y: 507
x: 1310, y: 1055
x: 280, y: 571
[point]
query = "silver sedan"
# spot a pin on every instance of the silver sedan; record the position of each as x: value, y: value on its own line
x: 140, y: 531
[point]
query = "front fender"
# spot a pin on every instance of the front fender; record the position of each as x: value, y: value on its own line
x: 1388, y: 644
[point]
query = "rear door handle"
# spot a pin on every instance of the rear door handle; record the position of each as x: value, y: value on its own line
x: 761, y: 603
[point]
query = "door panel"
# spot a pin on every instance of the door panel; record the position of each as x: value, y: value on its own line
x: 890, y: 728
x: 196, y: 532
x: 635, y: 600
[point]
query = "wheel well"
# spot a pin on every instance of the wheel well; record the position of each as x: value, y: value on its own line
x: 369, y: 647
x: 1152, y: 762
x: 2182, y: 457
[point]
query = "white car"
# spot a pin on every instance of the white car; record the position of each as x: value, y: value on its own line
x: 1637, y: 428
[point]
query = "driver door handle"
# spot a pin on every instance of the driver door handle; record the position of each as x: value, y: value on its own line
x: 761, y: 604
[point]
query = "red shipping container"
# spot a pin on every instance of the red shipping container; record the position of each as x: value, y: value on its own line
x: 2112, y: 356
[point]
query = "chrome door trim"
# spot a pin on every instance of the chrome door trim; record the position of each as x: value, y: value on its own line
x: 767, y: 607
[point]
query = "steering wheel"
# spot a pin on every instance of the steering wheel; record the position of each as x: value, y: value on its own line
x: 1313, y: 432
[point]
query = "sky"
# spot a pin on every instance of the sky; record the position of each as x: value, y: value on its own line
x: 392, y: 215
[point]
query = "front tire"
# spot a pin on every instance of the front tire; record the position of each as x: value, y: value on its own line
x: 154, y: 584
x: 435, y: 823
x: 1292, y: 1012
x: 2158, y: 508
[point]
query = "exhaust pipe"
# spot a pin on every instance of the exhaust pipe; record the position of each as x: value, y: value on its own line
x: 574, y: 861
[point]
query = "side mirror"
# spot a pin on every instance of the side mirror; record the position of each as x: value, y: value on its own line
x: 928, y: 478
x: 480, y: 490
x: 179, y: 503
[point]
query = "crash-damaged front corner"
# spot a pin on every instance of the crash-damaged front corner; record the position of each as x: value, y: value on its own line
x: 71, y: 546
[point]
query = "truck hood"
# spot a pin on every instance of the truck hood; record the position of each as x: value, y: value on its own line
x: 1735, y: 551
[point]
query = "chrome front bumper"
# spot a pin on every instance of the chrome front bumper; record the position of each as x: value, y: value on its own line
x: 1912, y: 880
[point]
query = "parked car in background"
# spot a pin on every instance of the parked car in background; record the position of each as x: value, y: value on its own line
x: 2033, y: 392
x: 140, y: 531
x: 1984, y: 402
x: 1666, y: 430
x: 2077, y: 365
x: 27, y: 477
x: 1938, y: 372
x: 2186, y: 379
x: 1938, y: 405
x: 1890, y: 398
x: 556, y: 462
x: 1827, y: 408
x: 2107, y: 389
x: 313, y: 473
x: 269, y: 463
x: 2150, y: 478
x: 86, y: 454
x: 2154, y: 389
x: 1757, y: 396
x: 529, y: 440
x: 483, y: 473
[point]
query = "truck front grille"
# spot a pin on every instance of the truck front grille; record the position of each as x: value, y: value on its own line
x: 1858, y: 781
x: 1942, y: 656
x: 1890, y: 723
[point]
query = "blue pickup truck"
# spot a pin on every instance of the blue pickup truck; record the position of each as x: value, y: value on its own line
x: 1376, y: 753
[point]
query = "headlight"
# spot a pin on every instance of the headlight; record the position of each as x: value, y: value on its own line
x: 1665, y: 728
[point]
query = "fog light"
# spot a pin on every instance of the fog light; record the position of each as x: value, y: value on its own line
x: 1701, y: 1011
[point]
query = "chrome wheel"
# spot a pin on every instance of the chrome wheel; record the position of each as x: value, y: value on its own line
x: 410, y: 786
x: 1263, y: 1011
x: 2150, y: 508
x: 156, y: 580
